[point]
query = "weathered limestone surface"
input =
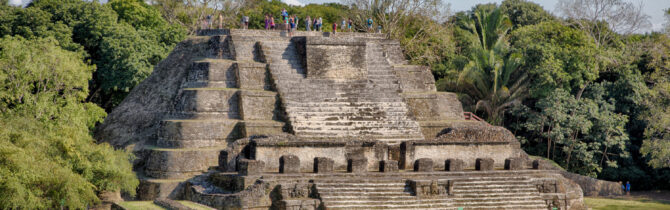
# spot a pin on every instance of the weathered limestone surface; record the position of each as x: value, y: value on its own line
x: 323, y: 165
x: 357, y: 165
x: 423, y: 165
x: 515, y: 164
x: 388, y: 166
x: 454, y: 165
x: 289, y: 164
x: 484, y: 164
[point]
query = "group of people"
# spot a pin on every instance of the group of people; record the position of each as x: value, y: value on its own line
x: 291, y: 23
x: 208, y: 22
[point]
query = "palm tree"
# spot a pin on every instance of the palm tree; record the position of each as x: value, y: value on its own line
x: 491, y: 79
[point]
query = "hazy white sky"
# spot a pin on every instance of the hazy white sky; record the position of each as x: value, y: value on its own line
x: 653, y: 8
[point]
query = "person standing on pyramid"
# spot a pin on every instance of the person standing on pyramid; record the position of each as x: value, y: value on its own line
x: 308, y: 21
x: 370, y: 23
x: 220, y: 21
x: 272, y: 23
x: 334, y: 27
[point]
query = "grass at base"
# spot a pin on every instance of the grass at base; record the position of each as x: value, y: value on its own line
x: 132, y: 205
x: 149, y: 205
x: 623, y: 204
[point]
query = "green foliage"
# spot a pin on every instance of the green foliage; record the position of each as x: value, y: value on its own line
x: 491, y: 80
x: 523, y: 12
x: 587, y: 132
x: 124, y: 39
x: 656, y: 70
x: 48, y: 154
x: 555, y: 56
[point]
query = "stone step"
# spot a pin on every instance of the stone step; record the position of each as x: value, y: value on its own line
x: 338, y: 110
x: 347, y: 118
x: 511, y: 207
x: 368, y: 197
x: 204, y: 115
x: 345, y: 104
x: 211, y: 84
x: 359, y: 180
x: 387, y: 137
x: 390, y: 206
x: 329, y: 203
x: 493, y: 182
x: 510, y: 199
x: 495, y: 186
x: 190, y: 133
x: 354, y: 190
x: 497, y: 194
x: 167, y: 163
x: 208, y: 100
x: 488, y: 191
x: 500, y: 203
x: 354, y: 125
x: 493, y: 178
x: 350, y: 185
x: 373, y: 194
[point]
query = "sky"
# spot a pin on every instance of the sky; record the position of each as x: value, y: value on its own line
x: 653, y: 8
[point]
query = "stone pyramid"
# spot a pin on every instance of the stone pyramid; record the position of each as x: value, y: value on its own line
x: 238, y: 119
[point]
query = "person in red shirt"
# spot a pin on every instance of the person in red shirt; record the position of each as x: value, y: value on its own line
x: 334, y: 27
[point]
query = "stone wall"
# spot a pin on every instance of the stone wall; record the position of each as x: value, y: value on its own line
x: 270, y: 149
x: 467, y: 151
x: 338, y: 59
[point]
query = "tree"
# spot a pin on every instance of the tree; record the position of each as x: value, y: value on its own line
x: 586, y: 132
x: 123, y: 53
x: 656, y: 69
x: 491, y: 79
x: 555, y: 56
x: 189, y: 13
x: 602, y: 19
x: 48, y: 154
x: 523, y: 12
x: 393, y: 15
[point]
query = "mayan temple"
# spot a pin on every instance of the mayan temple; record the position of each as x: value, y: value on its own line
x: 251, y: 119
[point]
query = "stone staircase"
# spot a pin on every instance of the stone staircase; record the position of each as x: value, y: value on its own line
x: 323, y: 108
x: 500, y: 192
x: 497, y: 193
x: 373, y: 194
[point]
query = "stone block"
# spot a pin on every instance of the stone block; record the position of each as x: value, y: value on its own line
x: 541, y: 165
x: 252, y: 76
x: 250, y: 167
x: 165, y: 163
x: 454, y: 165
x: 484, y: 164
x: 357, y: 165
x: 323, y: 165
x: 515, y: 164
x: 388, y: 166
x: 423, y: 165
x: 294, y: 190
x: 257, y: 105
x: 289, y: 164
